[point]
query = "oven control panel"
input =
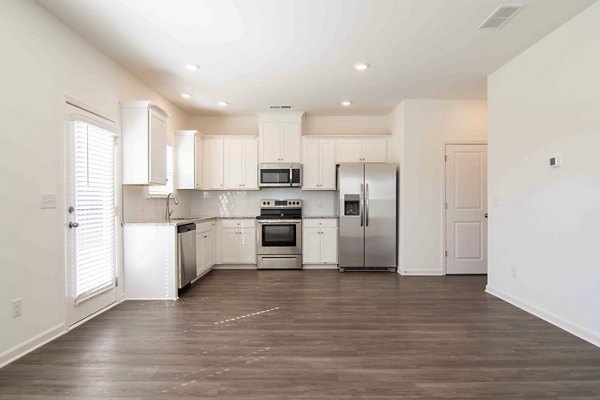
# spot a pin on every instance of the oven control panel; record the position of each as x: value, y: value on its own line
x: 269, y: 203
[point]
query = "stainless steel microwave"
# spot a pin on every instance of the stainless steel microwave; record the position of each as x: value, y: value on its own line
x: 280, y: 175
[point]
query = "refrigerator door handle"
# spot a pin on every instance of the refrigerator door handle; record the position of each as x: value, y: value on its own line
x: 367, y: 205
x: 362, y: 204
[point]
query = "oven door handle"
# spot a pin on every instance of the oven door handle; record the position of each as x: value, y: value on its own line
x: 279, y: 221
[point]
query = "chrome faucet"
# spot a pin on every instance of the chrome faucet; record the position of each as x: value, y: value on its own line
x: 169, y: 211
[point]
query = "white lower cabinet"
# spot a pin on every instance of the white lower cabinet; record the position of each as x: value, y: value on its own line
x: 237, y: 241
x: 319, y: 241
x: 205, y: 233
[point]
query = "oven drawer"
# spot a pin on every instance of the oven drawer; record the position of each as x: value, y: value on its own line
x: 238, y: 223
x: 279, y: 262
x: 320, y: 223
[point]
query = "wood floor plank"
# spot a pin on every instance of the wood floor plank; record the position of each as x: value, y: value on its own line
x: 312, y: 335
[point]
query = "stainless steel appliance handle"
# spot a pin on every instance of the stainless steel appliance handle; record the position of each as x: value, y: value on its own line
x: 291, y: 177
x: 367, y: 205
x: 361, y: 204
x: 279, y: 221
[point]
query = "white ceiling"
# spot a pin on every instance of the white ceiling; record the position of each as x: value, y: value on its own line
x: 253, y: 53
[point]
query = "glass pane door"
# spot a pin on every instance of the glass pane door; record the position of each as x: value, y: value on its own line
x: 91, y: 218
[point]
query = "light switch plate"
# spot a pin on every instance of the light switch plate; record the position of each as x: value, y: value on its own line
x: 48, y: 200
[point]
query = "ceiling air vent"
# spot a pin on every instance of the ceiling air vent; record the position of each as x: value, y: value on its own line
x: 501, y: 16
x: 281, y: 107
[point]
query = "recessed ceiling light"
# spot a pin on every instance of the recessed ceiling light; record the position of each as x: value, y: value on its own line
x: 223, y: 103
x: 192, y: 67
x: 361, y: 66
x: 186, y: 95
x: 346, y: 103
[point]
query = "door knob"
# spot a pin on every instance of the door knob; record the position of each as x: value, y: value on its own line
x: 73, y: 225
x: 486, y: 215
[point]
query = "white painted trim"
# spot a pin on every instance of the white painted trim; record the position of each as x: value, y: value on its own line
x: 231, y: 137
x: 86, y: 319
x: 320, y: 266
x: 420, y: 272
x: 547, y: 316
x: 234, y: 266
x: 474, y: 141
x: 446, y: 143
x: 32, y: 344
x: 151, y: 299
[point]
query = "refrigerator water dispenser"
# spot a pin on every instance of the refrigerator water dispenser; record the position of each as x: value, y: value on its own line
x: 352, y: 204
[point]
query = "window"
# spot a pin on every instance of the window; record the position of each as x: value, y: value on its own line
x: 93, y: 199
x: 161, y: 191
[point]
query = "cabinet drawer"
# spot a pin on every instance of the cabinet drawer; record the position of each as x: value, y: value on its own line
x: 320, y: 223
x: 238, y: 223
x: 204, y: 226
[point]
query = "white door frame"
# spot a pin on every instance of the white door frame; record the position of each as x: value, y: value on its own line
x: 65, y: 102
x: 443, y: 204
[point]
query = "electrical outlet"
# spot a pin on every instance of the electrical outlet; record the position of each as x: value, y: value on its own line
x: 514, y: 272
x: 16, y: 304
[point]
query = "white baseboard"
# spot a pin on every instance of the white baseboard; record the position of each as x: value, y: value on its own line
x: 319, y: 266
x: 234, y: 266
x: 547, y: 316
x: 151, y: 299
x: 420, y: 272
x: 30, y: 345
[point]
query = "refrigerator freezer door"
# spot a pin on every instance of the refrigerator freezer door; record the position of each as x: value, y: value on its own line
x: 380, y: 215
x: 351, y: 233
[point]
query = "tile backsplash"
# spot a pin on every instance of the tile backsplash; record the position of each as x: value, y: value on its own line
x: 247, y: 203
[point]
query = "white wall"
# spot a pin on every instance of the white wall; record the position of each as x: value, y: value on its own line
x: 546, y: 222
x: 420, y: 127
x: 311, y: 125
x: 41, y: 61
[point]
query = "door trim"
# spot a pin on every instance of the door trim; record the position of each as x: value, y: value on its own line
x: 65, y: 101
x: 443, y: 203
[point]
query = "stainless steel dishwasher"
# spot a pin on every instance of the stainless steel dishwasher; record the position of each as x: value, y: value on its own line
x: 186, y: 260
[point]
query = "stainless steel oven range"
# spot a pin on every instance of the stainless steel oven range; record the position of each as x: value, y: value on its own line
x: 279, y: 234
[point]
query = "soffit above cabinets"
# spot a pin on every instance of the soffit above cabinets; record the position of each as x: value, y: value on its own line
x: 254, y: 54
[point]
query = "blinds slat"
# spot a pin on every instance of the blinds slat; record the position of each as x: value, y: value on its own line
x: 94, y: 201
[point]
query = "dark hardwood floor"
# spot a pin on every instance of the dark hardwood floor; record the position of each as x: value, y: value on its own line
x: 313, y: 335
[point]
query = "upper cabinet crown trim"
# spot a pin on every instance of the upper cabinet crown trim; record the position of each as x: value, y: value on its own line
x: 281, y: 116
x: 230, y: 137
x: 187, y: 132
x: 145, y: 104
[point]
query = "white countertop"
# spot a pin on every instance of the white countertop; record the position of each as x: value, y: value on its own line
x: 185, y: 220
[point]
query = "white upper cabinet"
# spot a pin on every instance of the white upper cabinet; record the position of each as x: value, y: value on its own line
x: 212, y: 164
x: 188, y: 168
x: 144, y: 132
x: 361, y: 149
x: 291, y: 141
x: 241, y: 164
x: 318, y: 163
x: 280, y: 137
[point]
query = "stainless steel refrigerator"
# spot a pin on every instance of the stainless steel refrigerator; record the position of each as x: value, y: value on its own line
x: 367, y: 209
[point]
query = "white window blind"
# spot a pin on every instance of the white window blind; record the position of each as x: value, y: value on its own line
x: 164, y: 190
x: 94, y: 204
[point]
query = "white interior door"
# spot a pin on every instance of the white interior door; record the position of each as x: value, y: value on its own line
x: 91, y: 217
x: 466, y: 208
